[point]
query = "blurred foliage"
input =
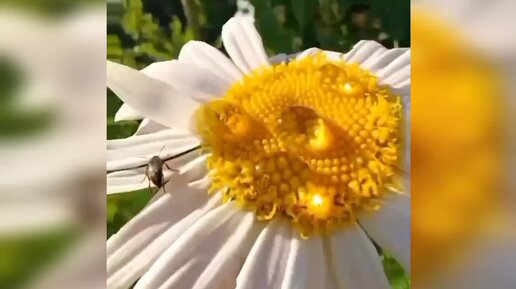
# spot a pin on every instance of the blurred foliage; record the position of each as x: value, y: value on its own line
x: 147, y: 40
x: 31, y: 255
x: 17, y: 121
x: 293, y: 25
x: 144, y: 31
x: 122, y: 207
x: 49, y: 7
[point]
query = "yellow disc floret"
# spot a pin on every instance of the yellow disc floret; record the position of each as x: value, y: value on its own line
x: 313, y: 140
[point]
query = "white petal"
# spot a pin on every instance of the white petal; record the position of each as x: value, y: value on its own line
x: 202, y: 184
x: 331, y: 283
x: 140, y: 242
x: 156, y: 213
x: 278, y: 58
x: 373, y: 58
x: 199, y: 83
x: 308, y: 52
x: 317, y: 270
x: 191, y: 167
x: 390, y: 227
x: 306, y: 265
x: 297, y: 264
x: 153, y: 98
x: 154, y: 198
x: 397, y: 71
x: 148, y: 126
x: 129, y: 157
x: 207, y: 56
x: 131, y: 180
x: 332, y: 55
x: 168, y: 134
x: 396, y: 78
x: 365, y: 51
x: 356, y: 261
x: 403, y: 87
x: 208, y: 255
x: 243, y: 44
x: 362, y: 51
x: 385, y: 58
x: 122, y: 163
x: 193, y: 170
x: 225, y: 266
x: 355, y: 49
x: 264, y: 267
x: 137, y: 150
x: 125, y: 112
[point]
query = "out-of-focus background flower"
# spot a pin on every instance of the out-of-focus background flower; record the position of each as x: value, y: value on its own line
x: 144, y: 31
x: 52, y: 144
x: 463, y: 132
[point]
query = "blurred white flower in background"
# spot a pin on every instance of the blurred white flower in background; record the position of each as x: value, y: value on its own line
x: 487, y: 25
x: 464, y: 64
x: 52, y: 168
x: 245, y: 8
x: 59, y: 63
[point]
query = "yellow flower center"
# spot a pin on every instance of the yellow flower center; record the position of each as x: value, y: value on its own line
x: 313, y: 140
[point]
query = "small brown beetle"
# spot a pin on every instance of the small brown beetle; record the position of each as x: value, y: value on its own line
x: 154, y: 172
x: 154, y: 168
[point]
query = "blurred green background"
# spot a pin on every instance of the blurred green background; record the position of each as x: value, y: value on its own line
x: 144, y: 31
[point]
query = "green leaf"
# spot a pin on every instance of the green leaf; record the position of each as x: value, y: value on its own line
x: 26, y: 257
x: 396, y: 18
x: 122, y: 129
x: 395, y: 273
x: 151, y: 50
x: 328, y: 39
x: 111, y: 210
x: 274, y: 37
x: 113, y: 104
x: 19, y: 123
x: 124, y: 207
x: 117, y: 130
x: 303, y: 11
x: 132, y: 18
x: 114, y: 47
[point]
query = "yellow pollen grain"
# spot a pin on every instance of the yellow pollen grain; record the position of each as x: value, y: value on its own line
x: 313, y: 140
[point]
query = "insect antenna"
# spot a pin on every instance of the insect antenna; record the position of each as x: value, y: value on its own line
x: 164, y: 160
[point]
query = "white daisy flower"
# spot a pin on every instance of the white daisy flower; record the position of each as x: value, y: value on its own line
x: 304, y: 163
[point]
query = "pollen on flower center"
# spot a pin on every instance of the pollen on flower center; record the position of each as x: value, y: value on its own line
x: 314, y: 140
